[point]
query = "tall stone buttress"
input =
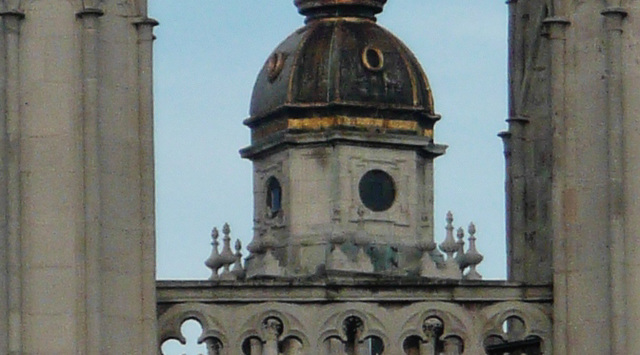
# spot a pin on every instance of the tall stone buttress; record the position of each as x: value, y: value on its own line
x: 77, y: 254
x: 573, y: 167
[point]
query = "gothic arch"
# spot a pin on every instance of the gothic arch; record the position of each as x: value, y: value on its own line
x: 291, y: 325
x: 332, y: 327
x: 536, y: 322
x: 457, y: 321
x: 170, y: 322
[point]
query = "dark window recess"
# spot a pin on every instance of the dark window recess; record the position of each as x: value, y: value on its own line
x: 274, y: 196
x: 377, y: 190
x: 374, y: 346
x: 530, y: 346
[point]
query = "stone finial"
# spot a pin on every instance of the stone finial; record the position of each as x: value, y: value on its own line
x: 450, y: 247
x: 238, y: 270
x: 472, y: 257
x: 460, y: 236
x: 227, y: 257
x: 460, y: 255
x: 214, y: 262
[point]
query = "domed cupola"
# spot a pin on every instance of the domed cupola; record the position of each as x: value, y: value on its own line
x: 339, y: 68
x: 342, y: 149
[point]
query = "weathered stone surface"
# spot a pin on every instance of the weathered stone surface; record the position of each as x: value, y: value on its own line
x: 77, y: 179
x: 393, y: 309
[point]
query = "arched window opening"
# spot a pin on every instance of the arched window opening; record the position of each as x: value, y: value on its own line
x: 274, y: 196
x: 453, y: 345
x: 252, y: 346
x: 373, y: 346
x: 191, y: 330
x: 411, y: 345
x: 291, y: 346
x: 529, y: 346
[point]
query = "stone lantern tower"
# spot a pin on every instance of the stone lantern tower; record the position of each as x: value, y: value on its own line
x: 342, y: 121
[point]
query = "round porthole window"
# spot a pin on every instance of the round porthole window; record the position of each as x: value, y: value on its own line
x: 377, y: 190
x: 274, y: 196
x: 275, y: 63
x: 373, y: 59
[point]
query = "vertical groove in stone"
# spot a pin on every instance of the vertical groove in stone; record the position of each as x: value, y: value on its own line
x: 4, y: 232
x: 91, y: 282
x: 506, y: 136
x: 557, y: 28
x: 147, y: 188
x: 615, y: 115
x: 12, y: 21
x: 518, y: 249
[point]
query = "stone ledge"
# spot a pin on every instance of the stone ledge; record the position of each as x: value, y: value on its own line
x: 349, y: 290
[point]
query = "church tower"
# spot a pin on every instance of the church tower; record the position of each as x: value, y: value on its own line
x: 573, y: 167
x: 77, y: 255
x: 342, y: 121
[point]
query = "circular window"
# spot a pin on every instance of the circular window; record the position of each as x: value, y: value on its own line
x: 377, y: 190
x: 373, y: 59
x: 274, y: 196
x: 275, y: 63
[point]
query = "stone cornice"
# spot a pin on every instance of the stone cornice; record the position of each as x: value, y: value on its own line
x: 349, y: 290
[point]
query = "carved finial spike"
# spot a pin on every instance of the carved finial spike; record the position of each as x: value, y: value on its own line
x: 449, y: 245
x: 227, y: 257
x: 460, y: 235
x: 472, y: 256
x: 449, y: 226
x: 472, y: 228
x: 238, y: 271
x: 214, y: 262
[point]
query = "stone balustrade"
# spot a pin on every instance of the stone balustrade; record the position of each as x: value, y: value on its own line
x: 344, y: 315
x: 455, y: 263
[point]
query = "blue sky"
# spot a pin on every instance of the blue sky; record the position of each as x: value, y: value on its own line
x: 207, y: 55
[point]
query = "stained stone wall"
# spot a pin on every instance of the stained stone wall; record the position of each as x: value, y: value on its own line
x: 574, y: 81
x: 528, y: 145
x: 320, y: 199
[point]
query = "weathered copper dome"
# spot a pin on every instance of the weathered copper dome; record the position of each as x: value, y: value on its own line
x: 341, y: 66
x: 341, y: 60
